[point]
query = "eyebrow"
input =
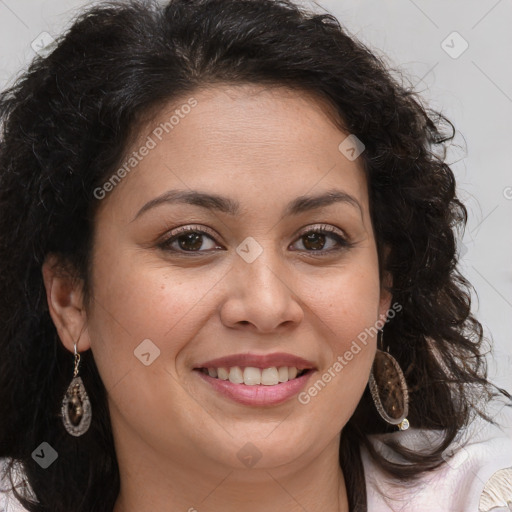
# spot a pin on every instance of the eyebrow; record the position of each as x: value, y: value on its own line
x: 232, y: 207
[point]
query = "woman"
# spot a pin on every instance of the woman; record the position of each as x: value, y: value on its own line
x: 228, y: 273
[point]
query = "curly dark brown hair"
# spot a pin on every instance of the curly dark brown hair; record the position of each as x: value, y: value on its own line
x: 66, y: 123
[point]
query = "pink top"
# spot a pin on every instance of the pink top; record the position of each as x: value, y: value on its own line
x: 476, y: 478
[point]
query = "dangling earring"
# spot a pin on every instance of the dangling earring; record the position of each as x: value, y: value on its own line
x: 76, y: 406
x: 389, y: 389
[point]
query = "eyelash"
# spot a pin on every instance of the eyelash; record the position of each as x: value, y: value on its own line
x: 320, y: 229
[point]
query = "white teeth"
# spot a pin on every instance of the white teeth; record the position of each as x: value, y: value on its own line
x: 235, y: 375
x: 251, y: 376
x: 270, y: 376
x: 283, y: 373
x: 223, y: 373
x: 292, y: 372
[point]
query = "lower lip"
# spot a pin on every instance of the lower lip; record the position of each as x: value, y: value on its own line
x: 258, y: 395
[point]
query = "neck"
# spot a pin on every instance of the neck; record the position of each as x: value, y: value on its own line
x: 150, y: 482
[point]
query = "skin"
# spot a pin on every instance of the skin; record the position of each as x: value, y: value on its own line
x: 176, y: 439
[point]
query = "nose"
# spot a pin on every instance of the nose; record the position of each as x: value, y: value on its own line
x: 260, y: 295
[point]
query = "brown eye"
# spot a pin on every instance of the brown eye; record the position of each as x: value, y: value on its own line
x: 316, y: 240
x: 189, y: 240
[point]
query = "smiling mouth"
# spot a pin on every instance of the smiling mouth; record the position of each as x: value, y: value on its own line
x: 251, y: 376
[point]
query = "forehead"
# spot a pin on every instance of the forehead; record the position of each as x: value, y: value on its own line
x: 246, y: 141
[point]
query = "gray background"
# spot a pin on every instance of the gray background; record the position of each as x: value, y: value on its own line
x: 472, y: 87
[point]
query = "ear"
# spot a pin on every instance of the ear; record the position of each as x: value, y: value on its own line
x: 65, y: 303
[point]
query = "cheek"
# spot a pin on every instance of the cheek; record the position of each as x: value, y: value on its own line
x: 345, y: 313
x: 135, y: 301
x: 345, y: 299
x: 143, y: 317
x: 357, y: 307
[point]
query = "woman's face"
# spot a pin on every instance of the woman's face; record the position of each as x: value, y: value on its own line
x: 179, y: 283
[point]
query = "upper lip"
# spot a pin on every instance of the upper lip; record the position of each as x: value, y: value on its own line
x: 258, y: 361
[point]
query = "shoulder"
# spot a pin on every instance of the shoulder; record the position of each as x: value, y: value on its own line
x: 8, y: 502
x: 474, y: 478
